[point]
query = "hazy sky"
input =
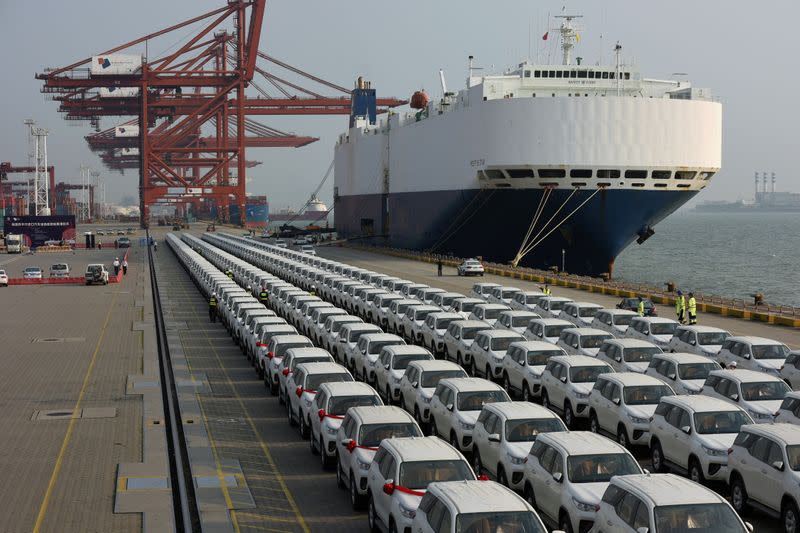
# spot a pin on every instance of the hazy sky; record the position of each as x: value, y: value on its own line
x: 744, y: 54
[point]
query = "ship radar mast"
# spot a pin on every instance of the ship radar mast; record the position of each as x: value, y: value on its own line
x: 568, y: 36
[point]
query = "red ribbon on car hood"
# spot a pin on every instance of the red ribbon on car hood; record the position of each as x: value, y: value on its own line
x: 406, y: 490
x: 352, y: 446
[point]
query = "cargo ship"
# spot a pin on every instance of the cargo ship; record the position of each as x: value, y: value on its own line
x: 559, y: 165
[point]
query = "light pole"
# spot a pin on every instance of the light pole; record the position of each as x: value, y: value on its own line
x: 563, y: 260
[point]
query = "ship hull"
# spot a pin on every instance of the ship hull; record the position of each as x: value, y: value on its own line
x: 492, y: 223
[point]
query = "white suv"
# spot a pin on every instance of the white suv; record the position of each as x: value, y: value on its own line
x: 789, y: 411
x: 702, y: 340
x: 345, y: 348
x: 515, y: 320
x: 551, y: 306
x: 332, y: 401
x: 482, y: 290
x: 396, y: 312
x: 488, y: 312
x: 526, y: 300
x: 503, y: 435
x: 567, y: 473
x: 614, y: 321
x: 753, y: 353
x: 488, y: 351
x: 580, y: 313
x: 434, y: 328
x: 400, y: 474
x: 307, y: 378
x: 523, y: 366
x: 628, y: 355
x: 367, y: 352
x: 546, y: 329
x: 757, y: 393
x: 621, y: 405
x: 790, y: 371
x: 502, y: 295
x: 419, y: 382
x: 567, y: 381
x: 664, y: 502
x: 464, y: 306
x: 583, y: 341
x: 361, y: 432
x: 686, y: 373
x: 763, y: 465
x: 654, y: 329
x: 392, y: 364
x: 455, y: 407
x: 459, y: 337
x: 692, y: 434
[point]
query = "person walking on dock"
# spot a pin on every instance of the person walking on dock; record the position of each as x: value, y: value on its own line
x: 692, y: 308
x: 546, y: 290
x: 641, y: 306
x: 212, y: 308
x: 124, y: 267
x: 263, y: 296
x: 680, y: 307
x: 116, y: 265
x: 439, y: 266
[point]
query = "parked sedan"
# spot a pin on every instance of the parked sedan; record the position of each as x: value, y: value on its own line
x: 32, y: 273
x: 632, y: 304
x: 470, y: 267
x: 3, y: 278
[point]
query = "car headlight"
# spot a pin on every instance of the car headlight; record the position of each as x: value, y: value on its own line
x: 331, y: 431
x: 584, y: 506
x: 759, y: 416
x: 425, y: 399
x: 307, y: 402
x: 638, y: 420
x: 514, y: 460
x: 465, y: 426
x: 362, y: 465
x: 581, y: 395
x: 407, y: 512
x: 714, y: 452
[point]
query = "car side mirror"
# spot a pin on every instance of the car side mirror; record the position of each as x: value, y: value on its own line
x: 686, y: 429
x: 388, y: 487
x: 746, y: 356
x: 734, y: 397
x: 415, y: 384
x: 558, y: 476
x: 671, y: 376
x: 575, y: 345
x: 643, y: 530
x: 646, y: 331
x: 618, y: 359
x: 777, y: 465
x: 693, y: 342
x: 609, y: 323
x: 457, y: 337
x: 539, y: 334
x: 563, y: 379
x: 449, y: 406
x: 386, y: 366
x: 494, y: 437
x: 616, y: 401
x: 749, y: 527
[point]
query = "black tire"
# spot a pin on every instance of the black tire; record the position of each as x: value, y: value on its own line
x: 392, y: 526
x: 312, y: 444
x: 477, y: 465
x: 290, y: 415
x: 372, y: 517
x: 340, y: 475
x: 739, y: 495
x: 501, y: 476
x: 434, y: 429
x: 526, y: 393
x: 696, y: 471
x: 488, y: 372
x: 529, y: 496
x: 657, y: 458
x: 304, y: 429
x: 325, y: 461
x: 569, y: 416
x: 790, y: 517
x: 564, y: 523
x: 545, y: 400
x: 594, y: 424
x: 454, y: 441
x: 355, y: 498
x: 507, y: 384
x: 622, y: 436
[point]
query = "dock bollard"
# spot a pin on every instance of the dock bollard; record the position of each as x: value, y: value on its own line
x: 758, y: 298
x: 670, y: 286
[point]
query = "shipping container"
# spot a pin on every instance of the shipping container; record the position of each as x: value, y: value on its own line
x: 129, y: 151
x: 119, y: 92
x: 126, y: 131
x: 116, y: 65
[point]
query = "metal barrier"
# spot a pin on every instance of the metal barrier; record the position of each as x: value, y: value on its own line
x: 66, y: 281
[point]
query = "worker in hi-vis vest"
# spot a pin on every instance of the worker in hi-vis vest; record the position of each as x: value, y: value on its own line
x: 641, y: 306
x: 680, y: 308
x: 692, y: 308
x: 212, y: 308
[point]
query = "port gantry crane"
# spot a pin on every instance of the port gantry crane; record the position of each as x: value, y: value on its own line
x: 191, y: 110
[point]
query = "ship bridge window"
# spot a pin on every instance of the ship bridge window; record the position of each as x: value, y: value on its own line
x: 552, y: 73
x: 573, y: 74
x: 537, y: 74
x: 552, y: 173
x: 581, y: 73
x: 527, y: 73
x: 612, y: 75
x: 605, y: 75
x: 580, y: 173
x: 608, y: 174
x: 661, y: 174
x: 685, y: 174
x: 560, y: 74
x: 627, y: 75
x: 520, y: 173
x: 706, y: 175
x: 636, y: 174
x: 494, y: 174
x: 638, y: 184
x: 591, y: 74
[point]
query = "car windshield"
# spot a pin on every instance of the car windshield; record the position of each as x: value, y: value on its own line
x: 499, y: 522
x: 555, y: 331
x: 697, y: 518
x: 770, y: 351
x: 469, y: 333
x: 313, y: 381
x: 764, y: 390
x: 58, y: 267
x: 280, y: 349
x: 316, y: 359
x: 445, y: 301
x: 540, y: 357
x: 492, y: 313
x: 587, y: 374
x: 622, y: 320
x: 508, y: 294
x: 556, y: 305
x: 593, y: 341
x: 714, y: 422
x: 420, y: 314
x: 373, y: 434
x: 793, y: 453
x: 640, y: 355
x: 599, y: 468
x: 475, y: 400
x: 32, y: 269
x: 532, y: 299
x: 431, y: 377
x: 356, y: 333
x: 400, y: 362
x: 587, y: 312
x: 338, y: 405
x: 527, y: 429
x: 467, y: 307
x: 645, y: 394
x: 696, y: 370
x: 712, y: 338
x: 502, y: 344
x: 417, y: 475
x: 442, y: 323
x: 520, y: 321
x: 376, y: 347
x: 663, y: 328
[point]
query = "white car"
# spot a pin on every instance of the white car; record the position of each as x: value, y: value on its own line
x: 276, y: 348
x: 790, y: 372
x: 753, y: 353
x: 307, y: 378
x: 412, y: 290
x: 621, y: 404
x: 757, y: 393
x: 361, y: 432
x: 482, y: 290
x: 400, y: 474
x: 345, y: 348
x: 526, y: 300
x: 3, y: 278
x: 464, y: 306
x: 419, y: 382
x: 426, y: 295
x: 470, y: 267
x: 654, y: 329
x: 380, y: 307
x: 614, y: 321
x: 702, y: 340
x: 32, y: 273
x: 789, y: 411
x: 551, y: 306
x: 523, y: 366
x: 515, y: 320
x: 664, y: 502
x: 628, y: 355
x: 583, y: 341
x: 502, y: 295
x: 580, y: 313
x: 686, y: 373
x: 397, y: 310
x: 567, y: 381
x: 459, y: 337
x: 316, y: 326
x: 763, y: 465
x: 474, y: 506
x: 307, y: 249
x: 434, y: 328
x: 413, y: 320
x: 333, y: 324
x: 392, y: 364
x: 503, y: 436
x: 692, y: 434
x: 567, y: 473
x: 488, y: 312
x: 488, y: 351
x: 455, y: 407
x: 444, y: 300
x: 546, y: 329
x: 367, y: 352
x: 331, y: 402
x: 294, y: 357
x: 59, y: 270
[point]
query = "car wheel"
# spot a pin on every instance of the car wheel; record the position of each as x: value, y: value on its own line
x: 739, y: 495
x: 339, y: 475
x: 323, y: 457
x: 569, y: 416
x: 545, y: 400
x: 790, y: 517
x: 565, y: 524
x: 273, y: 387
x: 501, y: 476
x: 402, y: 402
x: 417, y: 415
x: 474, y: 369
x: 526, y: 393
x: 392, y: 526
x: 434, y: 429
x: 488, y: 373
x: 477, y: 465
x: 507, y: 384
x: 312, y: 443
x: 372, y: 518
x: 303, y: 426
x: 355, y: 498
x: 594, y: 424
x: 529, y: 496
x: 454, y: 441
x: 622, y: 436
x: 657, y: 457
x: 289, y: 414
x: 696, y: 471
x: 459, y: 361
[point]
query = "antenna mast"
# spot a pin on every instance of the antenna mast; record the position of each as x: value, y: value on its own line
x: 568, y: 37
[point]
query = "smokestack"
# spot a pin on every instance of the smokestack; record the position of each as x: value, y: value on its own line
x: 773, y: 182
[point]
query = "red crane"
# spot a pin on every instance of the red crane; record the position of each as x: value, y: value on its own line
x: 176, y: 98
x: 7, y: 168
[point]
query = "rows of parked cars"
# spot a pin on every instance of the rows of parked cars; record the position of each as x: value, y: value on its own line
x: 448, y: 365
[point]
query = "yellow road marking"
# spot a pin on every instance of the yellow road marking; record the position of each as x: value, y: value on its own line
x: 60, y: 458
